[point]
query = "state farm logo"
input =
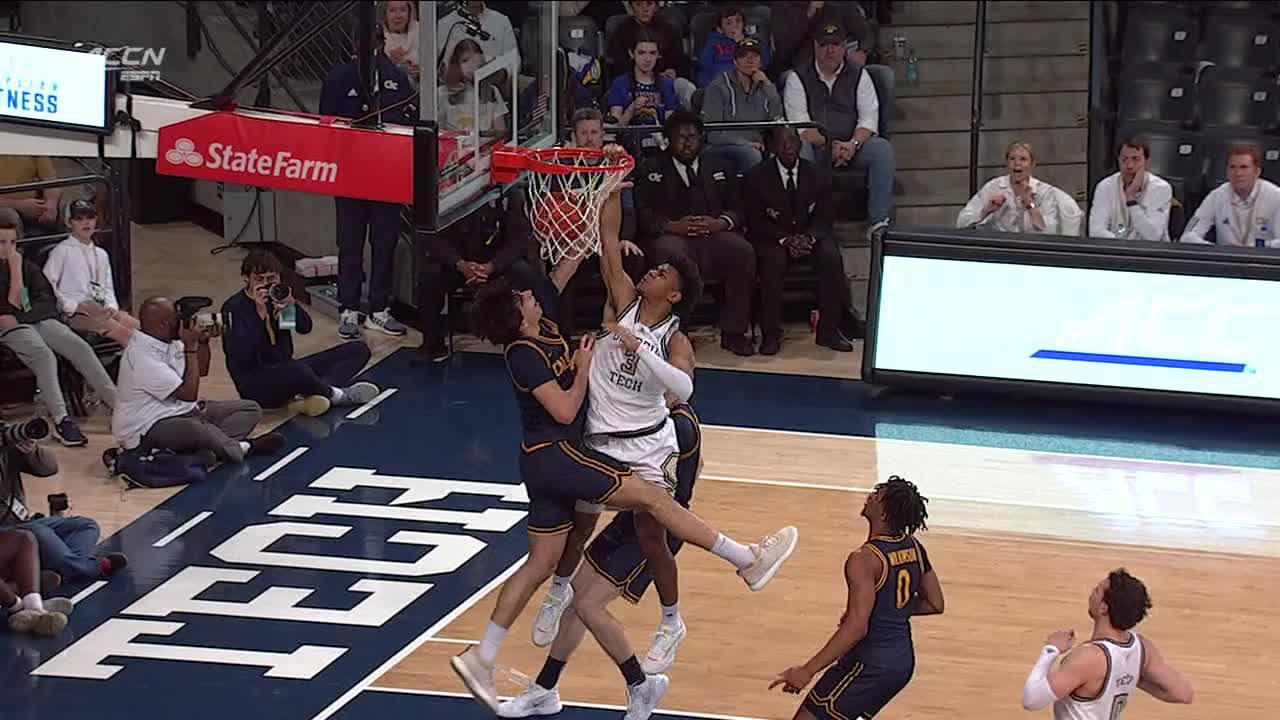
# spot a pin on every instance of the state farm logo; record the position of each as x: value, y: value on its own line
x: 222, y: 156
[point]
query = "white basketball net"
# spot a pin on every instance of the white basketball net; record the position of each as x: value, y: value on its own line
x: 564, y: 209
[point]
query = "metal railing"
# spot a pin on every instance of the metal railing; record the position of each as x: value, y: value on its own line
x: 975, y: 100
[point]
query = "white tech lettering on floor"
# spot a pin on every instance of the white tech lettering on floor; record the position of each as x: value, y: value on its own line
x: 383, y: 600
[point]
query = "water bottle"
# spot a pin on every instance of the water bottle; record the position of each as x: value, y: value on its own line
x: 913, y: 68
x: 1261, y: 240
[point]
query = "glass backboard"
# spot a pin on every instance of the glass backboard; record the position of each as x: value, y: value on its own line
x: 493, y: 69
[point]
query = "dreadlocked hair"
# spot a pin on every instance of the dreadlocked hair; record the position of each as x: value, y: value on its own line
x: 904, y: 506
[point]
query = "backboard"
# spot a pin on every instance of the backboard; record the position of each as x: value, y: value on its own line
x: 493, y: 74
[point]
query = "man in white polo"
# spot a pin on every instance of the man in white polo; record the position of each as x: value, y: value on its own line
x: 1244, y: 210
x: 1132, y: 204
x: 157, y: 395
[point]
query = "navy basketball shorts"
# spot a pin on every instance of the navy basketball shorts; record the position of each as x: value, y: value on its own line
x: 850, y: 690
x: 559, y: 474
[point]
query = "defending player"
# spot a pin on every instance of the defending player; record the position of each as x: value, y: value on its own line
x: 1094, y: 680
x: 890, y: 580
x: 642, y: 360
x: 616, y: 566
x: 550, y: 385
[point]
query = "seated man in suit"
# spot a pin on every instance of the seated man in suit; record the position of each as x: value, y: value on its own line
x: 685, y: 208
x: 789, y: 217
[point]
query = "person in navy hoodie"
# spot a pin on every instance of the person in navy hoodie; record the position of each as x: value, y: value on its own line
x: 717, y: 54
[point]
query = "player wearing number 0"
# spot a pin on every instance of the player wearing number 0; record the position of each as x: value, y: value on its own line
x: 616, y: 567
x: 1094, y: 680
x: 890, y: 580
x: 550, y: 385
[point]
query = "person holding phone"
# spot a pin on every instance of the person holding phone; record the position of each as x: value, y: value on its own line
x: 258, y: 344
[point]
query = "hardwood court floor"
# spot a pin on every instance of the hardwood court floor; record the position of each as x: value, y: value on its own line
x: 1005, y: 590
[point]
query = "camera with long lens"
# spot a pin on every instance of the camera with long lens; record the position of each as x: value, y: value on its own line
x: 31, y: 430
x: 192, y: 311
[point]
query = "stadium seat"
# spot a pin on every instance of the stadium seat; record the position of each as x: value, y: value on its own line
x: 1157, y: 92
x: 1159, y: 34
x: 1240, y: 40
x: 1236, y: 98
x: 674, y: 16
x: 612, y: 24
x: 701, y: 27
x: 1217, y: 145
x: 578, y: 33
x: 1175, y: 154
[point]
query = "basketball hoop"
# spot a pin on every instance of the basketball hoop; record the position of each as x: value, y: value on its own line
x: 567, y: 188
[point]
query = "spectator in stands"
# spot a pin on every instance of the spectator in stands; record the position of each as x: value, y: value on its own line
x: 598, y: 10
x: 1132, y: 204
x: 80, y: 273
x: 67, y: 544
x: 25, y: 610
x: 641, y: 96
x: 720, y: 53
x: 456, y: 96
x: 672, y: 64
x: 793, y: 23
x: 743, y: 94
x: 451, y: 29
x: 789, y: 218
x: 843, y: 98
x: 400, y: 36
x: 38, y: 208
x: 686, y: 207
x: 341, y: 95
x: 31, y: 328
x: 158, y: 391
x: 259, y: 348
x: 1243, y: 211
x: 492, y: 241
x: 1018, y: 202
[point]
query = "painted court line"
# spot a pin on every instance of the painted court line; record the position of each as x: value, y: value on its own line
x: 430, y: 632
x: 93, y: 588
x: 589, y: 706
x: 453, y: 641
x: 177, y: 532
x: 997, y: 448
x: 293, y: 455
x: 369, y: 405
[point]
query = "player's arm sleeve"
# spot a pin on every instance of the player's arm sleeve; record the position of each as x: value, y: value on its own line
x: 1036, y: 692
x: 673, y: 379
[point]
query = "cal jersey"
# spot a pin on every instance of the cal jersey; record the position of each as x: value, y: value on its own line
x: 624, y: 395
x: 904, y: 563
x: 1124, y: 668
x: 532, y: 361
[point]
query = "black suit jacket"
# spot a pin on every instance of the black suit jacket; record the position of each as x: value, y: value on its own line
x: 770, y: 216
x: 661, y: 195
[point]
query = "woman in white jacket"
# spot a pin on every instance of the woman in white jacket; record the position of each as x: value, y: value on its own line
x: 1018, y: 202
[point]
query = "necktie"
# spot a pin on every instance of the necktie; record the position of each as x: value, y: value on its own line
x: 791, y: 195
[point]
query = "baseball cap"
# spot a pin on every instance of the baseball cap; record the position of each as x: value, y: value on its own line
x: 82, y: 208
x: 828, y: 33
x: 746, y: 45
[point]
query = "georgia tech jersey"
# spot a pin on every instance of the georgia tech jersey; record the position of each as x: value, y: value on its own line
x: 1124, y: 668
x: 624, y: 395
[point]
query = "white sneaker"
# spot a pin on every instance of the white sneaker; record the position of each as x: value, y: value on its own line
x: 644, y: 698
x: 770, y: 554
x: 535, y: 700
x: 478, y: 677
x: 662, y: 652
x: 547, y: 623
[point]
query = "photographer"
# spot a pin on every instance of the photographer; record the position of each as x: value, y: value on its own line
x: 66, y: 544
x: 157, y: 395
x: 259, y: 348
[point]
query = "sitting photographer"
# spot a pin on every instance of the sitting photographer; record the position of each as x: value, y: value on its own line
x: 157, y: 394
x: 259, y: 347
x: 66, y: 544
x: 20, y: 596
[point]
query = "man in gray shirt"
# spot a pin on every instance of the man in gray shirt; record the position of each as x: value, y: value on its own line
x: 744, y: 94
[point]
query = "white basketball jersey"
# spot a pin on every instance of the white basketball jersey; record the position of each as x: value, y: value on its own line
x: 1124, y: 668
x: 624, y: 394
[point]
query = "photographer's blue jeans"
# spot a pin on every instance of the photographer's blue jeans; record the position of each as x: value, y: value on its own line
x: 67, y: 545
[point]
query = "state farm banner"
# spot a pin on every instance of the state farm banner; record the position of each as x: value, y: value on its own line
x: 306, y: 155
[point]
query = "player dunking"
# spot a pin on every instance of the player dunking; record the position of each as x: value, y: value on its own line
x: 890, y: 580
x: 616, y: 566
x: 550, y: 385
x: 643, y: 360
x: 1095, y: 680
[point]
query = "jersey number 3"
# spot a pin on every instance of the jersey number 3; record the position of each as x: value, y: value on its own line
x: 904, y: 588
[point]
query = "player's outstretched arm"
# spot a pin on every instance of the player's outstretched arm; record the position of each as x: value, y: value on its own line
x: 622, y: 292
x: 563, y: 272
x: 1161, y: 680
x: 860, y: 572
x: 1046, y: 683
x: 676, y: 377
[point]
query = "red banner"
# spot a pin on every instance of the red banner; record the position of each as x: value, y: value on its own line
x: 307, y: 155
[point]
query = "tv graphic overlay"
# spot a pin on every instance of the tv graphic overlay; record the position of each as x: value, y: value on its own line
x: 1204, y: 335
x: 56, y: 87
